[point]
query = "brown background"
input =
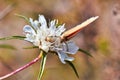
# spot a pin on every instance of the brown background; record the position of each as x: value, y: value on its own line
x: 101, y: 38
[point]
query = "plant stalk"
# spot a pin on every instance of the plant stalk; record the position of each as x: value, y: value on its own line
x: 21, y: 68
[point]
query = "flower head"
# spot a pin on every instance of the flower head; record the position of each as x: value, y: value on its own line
x: 48, y: 37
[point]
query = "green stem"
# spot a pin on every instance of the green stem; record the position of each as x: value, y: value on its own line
x: 42, y: 65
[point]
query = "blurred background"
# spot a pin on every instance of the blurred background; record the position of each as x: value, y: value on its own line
x: 101, y: 38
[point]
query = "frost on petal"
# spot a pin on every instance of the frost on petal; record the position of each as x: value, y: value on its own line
x: 30, y: 37
x: 45, y: 46
x: 31, y: 20
x: 60, y: 30
x: 52, y: 28
x: 28, y: 29
x: 63, y: 56
x: 72, y: 48
x: 36, y: 41
x: 42, y: 21
x: 52, y: 25
x: 34, y: 24
x: 30, y: 33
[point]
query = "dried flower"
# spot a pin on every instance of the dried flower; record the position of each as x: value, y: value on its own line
x: 48, y: 38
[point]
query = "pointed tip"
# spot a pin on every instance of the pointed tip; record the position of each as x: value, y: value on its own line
x: 93, y: 18
x: 72, y: 32
x: 96, y: 17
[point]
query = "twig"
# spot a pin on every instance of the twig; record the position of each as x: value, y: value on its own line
x: 21, y: 68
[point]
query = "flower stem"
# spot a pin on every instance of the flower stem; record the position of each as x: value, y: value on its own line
x: 42, y: 66
x: 21, y: 68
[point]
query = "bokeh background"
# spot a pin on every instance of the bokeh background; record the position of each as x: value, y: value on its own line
x: 101, y: 38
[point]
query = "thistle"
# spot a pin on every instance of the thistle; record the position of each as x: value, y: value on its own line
x: 51, y: 38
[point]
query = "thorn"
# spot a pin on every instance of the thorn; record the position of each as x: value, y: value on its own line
x: 72, y: 32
